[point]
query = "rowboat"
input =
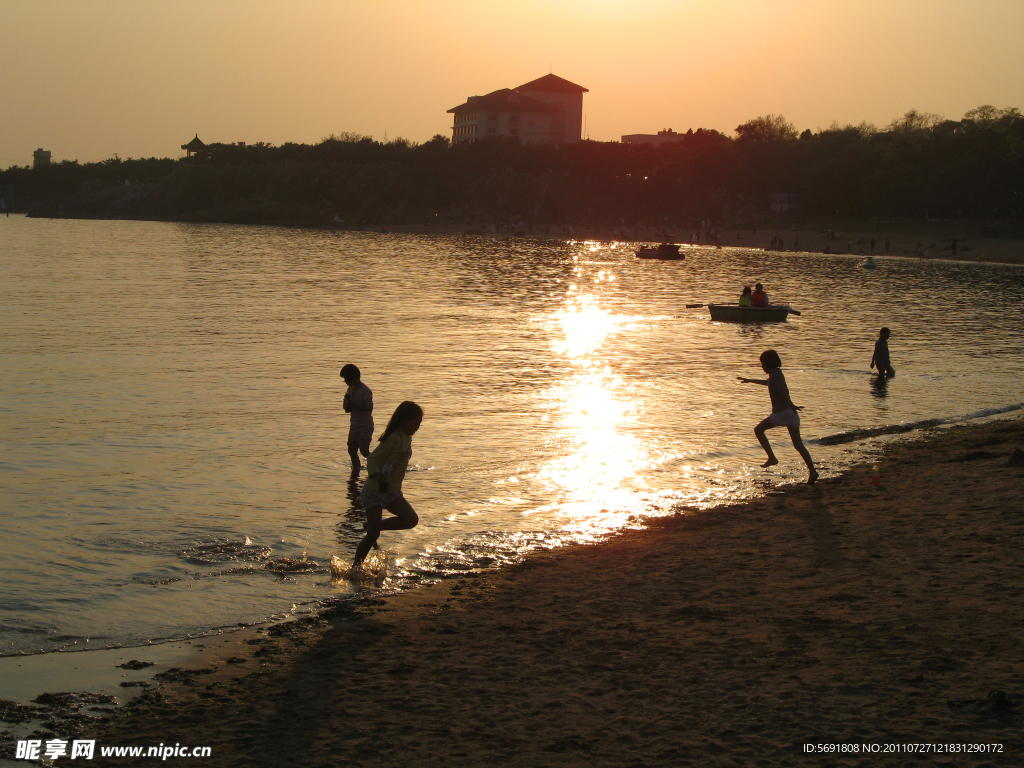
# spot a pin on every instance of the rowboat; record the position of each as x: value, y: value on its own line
x: 664, y: 251
x: 734, y: 313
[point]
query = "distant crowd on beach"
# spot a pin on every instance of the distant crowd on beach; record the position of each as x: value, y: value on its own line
x: 710, y: 233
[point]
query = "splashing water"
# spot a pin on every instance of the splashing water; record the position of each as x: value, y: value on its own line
x: 372, y: 571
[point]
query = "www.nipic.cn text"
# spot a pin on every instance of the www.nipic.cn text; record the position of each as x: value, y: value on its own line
x: 54, y: 749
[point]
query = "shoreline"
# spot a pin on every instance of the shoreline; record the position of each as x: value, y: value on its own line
x: 931, y: 242
x: 836, y: 613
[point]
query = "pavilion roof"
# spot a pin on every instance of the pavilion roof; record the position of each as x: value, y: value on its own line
x: 194, y: 146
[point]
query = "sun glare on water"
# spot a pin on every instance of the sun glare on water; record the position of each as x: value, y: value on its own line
x: 593, y: 406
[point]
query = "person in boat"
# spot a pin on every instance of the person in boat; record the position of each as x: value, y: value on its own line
x: 745, y: 300
x: 880, y: 358
x: 784, y: 412
x: 759, y: 298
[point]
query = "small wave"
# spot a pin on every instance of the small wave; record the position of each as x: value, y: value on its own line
x: 226, y: 552
x: 156, y: 582
x: 853, y: 435
x: 291, y: 565
x: 495, y: 549
x: 24, y: 630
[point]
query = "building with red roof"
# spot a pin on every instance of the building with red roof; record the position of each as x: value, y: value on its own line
x: 548, y: 110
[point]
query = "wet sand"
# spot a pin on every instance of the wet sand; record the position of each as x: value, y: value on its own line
x: 841, y: 613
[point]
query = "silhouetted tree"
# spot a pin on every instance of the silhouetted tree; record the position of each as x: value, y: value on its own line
x: 766, y: 128
x: 920, y: 164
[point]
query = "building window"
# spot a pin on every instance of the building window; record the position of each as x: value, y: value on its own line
x: 492, y: 117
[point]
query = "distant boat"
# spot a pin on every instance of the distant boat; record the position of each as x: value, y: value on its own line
x: 870, y: 263
x: 734, y: 313
x: 663, y: 251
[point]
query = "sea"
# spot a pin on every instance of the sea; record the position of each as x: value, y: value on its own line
x: 173, y: 445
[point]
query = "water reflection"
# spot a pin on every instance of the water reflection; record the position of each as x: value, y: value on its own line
x: 350, y: 529
x: 600, y: 400
x: 879, y: 387
x: 595, y: 472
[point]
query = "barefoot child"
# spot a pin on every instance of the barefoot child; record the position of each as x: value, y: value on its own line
x: 359, y: 402
x: 383, y: 488
x: 784, y: 413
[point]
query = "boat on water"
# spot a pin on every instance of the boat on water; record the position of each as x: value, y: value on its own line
x: 663, y: 251
x: 734, y: 313
x: 870, y: 263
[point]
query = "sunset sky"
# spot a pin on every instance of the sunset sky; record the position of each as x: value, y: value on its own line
x: 87, y: 79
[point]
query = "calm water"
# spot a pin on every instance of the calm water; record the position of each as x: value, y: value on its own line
x: 171, y: 392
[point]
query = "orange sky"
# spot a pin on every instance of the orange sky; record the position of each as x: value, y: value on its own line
x: 90, y: 78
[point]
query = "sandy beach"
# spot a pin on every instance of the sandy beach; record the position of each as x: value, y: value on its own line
x: 878, y: 617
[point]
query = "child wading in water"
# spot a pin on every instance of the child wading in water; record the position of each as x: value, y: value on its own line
x: 784, y: 413
x: 880, y: 357
x: 383, y: 488
x: 359, y: 402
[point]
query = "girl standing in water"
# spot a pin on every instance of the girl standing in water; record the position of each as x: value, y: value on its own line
x: 784, y: 413
x: 383, y: 489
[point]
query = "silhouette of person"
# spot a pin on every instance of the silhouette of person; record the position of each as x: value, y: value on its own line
x: 358, y: 401
x: 383, y: 488
x: 880, y: 357
x: 784, y: 412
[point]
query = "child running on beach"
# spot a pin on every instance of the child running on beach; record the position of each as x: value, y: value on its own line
x: 383, y: 489
x: 880, y: 358
x: 359, y: 402
x: 784, y: 413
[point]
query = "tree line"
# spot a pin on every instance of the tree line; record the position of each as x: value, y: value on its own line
x: 919, y: 166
